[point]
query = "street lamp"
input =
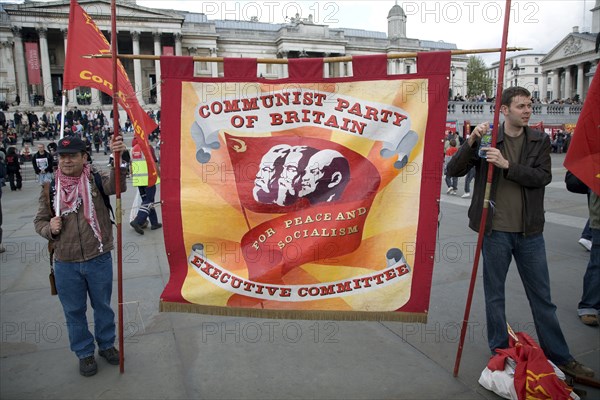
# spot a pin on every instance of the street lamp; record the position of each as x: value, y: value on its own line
x: 453, y: 69
x: 516, y: 69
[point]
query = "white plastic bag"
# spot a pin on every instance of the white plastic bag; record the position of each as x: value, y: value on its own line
x: 500, y: 382
x: 503, y: 382
x: 135, y: 207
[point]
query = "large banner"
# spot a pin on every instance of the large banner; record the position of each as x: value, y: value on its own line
x: 33, y: 63
x: 303, y: 197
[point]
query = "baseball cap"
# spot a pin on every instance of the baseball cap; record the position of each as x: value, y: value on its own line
x: 70, y: 144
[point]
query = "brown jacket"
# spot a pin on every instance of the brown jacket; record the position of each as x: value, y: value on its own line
x: 76, y: 241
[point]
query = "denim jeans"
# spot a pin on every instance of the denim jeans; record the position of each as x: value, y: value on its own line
x: 590, y: 300
x: 147, y: 207
x: 587, y: 231
x: 530, y: 256
x: 468, y: 178
x: 451, y: 182
x: 74, y: 282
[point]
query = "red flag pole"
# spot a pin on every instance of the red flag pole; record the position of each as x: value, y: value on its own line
x: 486, y: 200
x: 117, y: 165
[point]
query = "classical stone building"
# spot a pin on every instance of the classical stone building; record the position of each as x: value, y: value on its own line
x: 563, y: 73
x: 143, y: 30
x: 569, y: 67
x: 520, y: 70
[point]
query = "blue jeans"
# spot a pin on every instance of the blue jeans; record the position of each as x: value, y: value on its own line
x: 147, y: 207
x: 451, y: 182
x: 590, y: 300
x: 74, y: 282
x: 587, y: 231
x: 530, y: 256
x: 468, y: 178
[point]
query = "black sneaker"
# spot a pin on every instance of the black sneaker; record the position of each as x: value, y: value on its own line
x: 574, y: 368
x: 157, y: 226
x: 88, y: 366
x: 111, y: 355
x: 137, y: 227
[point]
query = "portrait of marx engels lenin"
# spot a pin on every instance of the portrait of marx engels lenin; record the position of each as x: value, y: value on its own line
x: 266, y: 182
x: 289, y: 173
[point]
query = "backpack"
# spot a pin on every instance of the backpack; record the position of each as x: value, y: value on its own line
x: 574, y: 184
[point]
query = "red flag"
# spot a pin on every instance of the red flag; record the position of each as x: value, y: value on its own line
x: 33, y: 63
x: 325, y: 190
x: 85, y: 38
x: 583, y: 156
x: 535, y: 378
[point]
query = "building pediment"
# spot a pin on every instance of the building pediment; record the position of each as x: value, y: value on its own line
x: 97, y: 9
x: 572, y: 45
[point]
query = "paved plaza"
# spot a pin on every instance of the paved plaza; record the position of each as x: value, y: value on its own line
x: 185, y: 356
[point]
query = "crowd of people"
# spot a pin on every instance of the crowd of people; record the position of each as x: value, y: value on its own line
x: 483, y: 98
x: 26, y: 129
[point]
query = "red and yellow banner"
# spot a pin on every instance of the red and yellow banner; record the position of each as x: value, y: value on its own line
x: 302, y: 197
x: 84, y: 38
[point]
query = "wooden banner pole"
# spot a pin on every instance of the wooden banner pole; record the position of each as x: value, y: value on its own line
x: 391, y: 56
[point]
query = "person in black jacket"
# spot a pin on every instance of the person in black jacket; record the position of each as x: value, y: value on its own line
x: 522, y: 169
x: 42, y: 165
x: 13, y: 169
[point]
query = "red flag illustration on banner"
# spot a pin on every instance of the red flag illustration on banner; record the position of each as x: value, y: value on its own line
x: 85, y: 38
x: 323, y: 189
x: 33, y: 63
x: 583, y: 157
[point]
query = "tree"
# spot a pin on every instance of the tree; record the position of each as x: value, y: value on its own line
x: 477, y: 80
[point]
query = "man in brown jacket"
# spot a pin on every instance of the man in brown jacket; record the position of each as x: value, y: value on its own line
x: 82, y: 239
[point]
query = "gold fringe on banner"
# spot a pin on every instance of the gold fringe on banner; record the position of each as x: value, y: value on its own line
x: 166, y: 306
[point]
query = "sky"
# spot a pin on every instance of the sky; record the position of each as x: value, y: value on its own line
x: 536, y: 24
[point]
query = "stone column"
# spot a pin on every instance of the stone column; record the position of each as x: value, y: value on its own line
x: 137, y: 68
x: 65, y: 36
x: 157, y: 52
x: 592, y: 72
x: 556, y: 84
x: 350, y: 70
x: 178, y: 37
x: 283, y: 72
x: 8, y: 60
x: 214, y: 67
x: 544, y: 86
x: 326, y: 66
x: 580, y: 79
x: 46, y: 78
x: 192, y: 51
x: 22, y: 85
x: 568, y: 83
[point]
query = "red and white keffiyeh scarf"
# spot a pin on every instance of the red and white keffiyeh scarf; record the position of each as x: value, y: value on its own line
x: 73, y: 192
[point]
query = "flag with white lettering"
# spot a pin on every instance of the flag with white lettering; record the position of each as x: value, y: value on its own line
x: 302, y: 197
x: 84, y: 38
